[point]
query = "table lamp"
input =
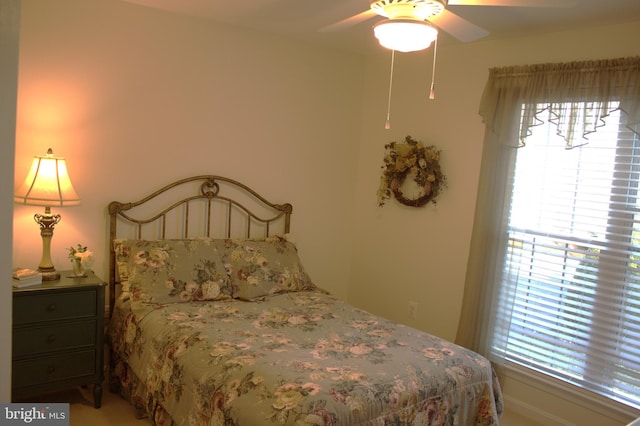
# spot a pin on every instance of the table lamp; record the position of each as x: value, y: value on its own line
x: 47, y: 184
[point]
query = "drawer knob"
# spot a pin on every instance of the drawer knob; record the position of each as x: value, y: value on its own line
x: 51, y: 369
x: 51, y: 338
x: 52, y: 307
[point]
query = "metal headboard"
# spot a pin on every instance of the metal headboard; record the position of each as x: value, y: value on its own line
x: 199, y: 206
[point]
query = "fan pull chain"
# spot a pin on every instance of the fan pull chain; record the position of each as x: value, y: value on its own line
x: 432, y: 92
x: 387, y: 125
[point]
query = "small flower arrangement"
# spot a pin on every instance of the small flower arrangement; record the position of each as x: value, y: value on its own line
x: 81, y: 258
x: 411, y: 157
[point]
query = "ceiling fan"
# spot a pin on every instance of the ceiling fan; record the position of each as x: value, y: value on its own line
x: 410, y: 25
x: 424, y: 15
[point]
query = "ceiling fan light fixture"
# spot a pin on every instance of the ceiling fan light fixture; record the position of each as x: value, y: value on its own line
x: 405, y: 35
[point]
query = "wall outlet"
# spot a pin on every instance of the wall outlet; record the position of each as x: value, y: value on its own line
x: 413, y: 310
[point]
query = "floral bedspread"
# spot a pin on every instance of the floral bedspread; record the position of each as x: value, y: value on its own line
x: 302, y: 358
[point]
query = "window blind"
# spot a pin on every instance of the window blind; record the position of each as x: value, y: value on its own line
x: 570, y: 304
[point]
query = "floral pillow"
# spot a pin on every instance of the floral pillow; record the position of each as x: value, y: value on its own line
x: 172, y: 271
x: 122, y: 250
x: 258, y: 268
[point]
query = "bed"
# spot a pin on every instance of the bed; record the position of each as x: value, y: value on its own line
x: 215, y: 321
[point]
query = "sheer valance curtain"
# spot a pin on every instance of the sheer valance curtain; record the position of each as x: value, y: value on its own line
x: 576, y: 97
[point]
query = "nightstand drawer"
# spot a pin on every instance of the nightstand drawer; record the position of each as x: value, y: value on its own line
x: 38, y: 371
x: 38, y: 339
x: 47, y: 307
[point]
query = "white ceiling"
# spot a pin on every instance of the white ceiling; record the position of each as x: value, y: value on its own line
x: 305, y: 19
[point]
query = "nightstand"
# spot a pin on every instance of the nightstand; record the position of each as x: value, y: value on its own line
x: 58, y: 336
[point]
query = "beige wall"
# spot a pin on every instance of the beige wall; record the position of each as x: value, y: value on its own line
x: 420, y: 254
x: 136, y: 98
x: 402, y: 253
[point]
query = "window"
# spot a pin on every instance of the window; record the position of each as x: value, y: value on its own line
x: 553, y: 282
x: 571, y: 280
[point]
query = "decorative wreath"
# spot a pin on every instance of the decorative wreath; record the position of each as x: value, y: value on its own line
x: 411, y: 158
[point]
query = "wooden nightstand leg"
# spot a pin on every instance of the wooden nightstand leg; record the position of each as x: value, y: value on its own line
x: 97, y: 395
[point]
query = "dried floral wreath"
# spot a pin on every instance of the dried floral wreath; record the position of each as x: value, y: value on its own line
x: 411, y: 157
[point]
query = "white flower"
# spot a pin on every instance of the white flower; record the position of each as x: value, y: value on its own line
x: 86, y: 258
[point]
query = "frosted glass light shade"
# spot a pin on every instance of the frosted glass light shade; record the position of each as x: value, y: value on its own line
x: 405, y: 35
x: 47, y: 184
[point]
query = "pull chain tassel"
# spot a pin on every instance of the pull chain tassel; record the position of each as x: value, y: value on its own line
x: 432, y: 92
x: 387, y: 125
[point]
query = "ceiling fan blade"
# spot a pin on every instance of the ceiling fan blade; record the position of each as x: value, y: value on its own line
x: 458, y: 27
x: 514, y: 3
x: 349, y: 22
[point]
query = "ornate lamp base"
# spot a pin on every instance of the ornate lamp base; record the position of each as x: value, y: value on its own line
x: 47, y: 222
x: 49, y: 275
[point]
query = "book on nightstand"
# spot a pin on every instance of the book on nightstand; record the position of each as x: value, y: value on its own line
x: 24, y: 277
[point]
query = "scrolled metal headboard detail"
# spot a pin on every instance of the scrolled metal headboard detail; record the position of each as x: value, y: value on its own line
x: 199, y: 206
